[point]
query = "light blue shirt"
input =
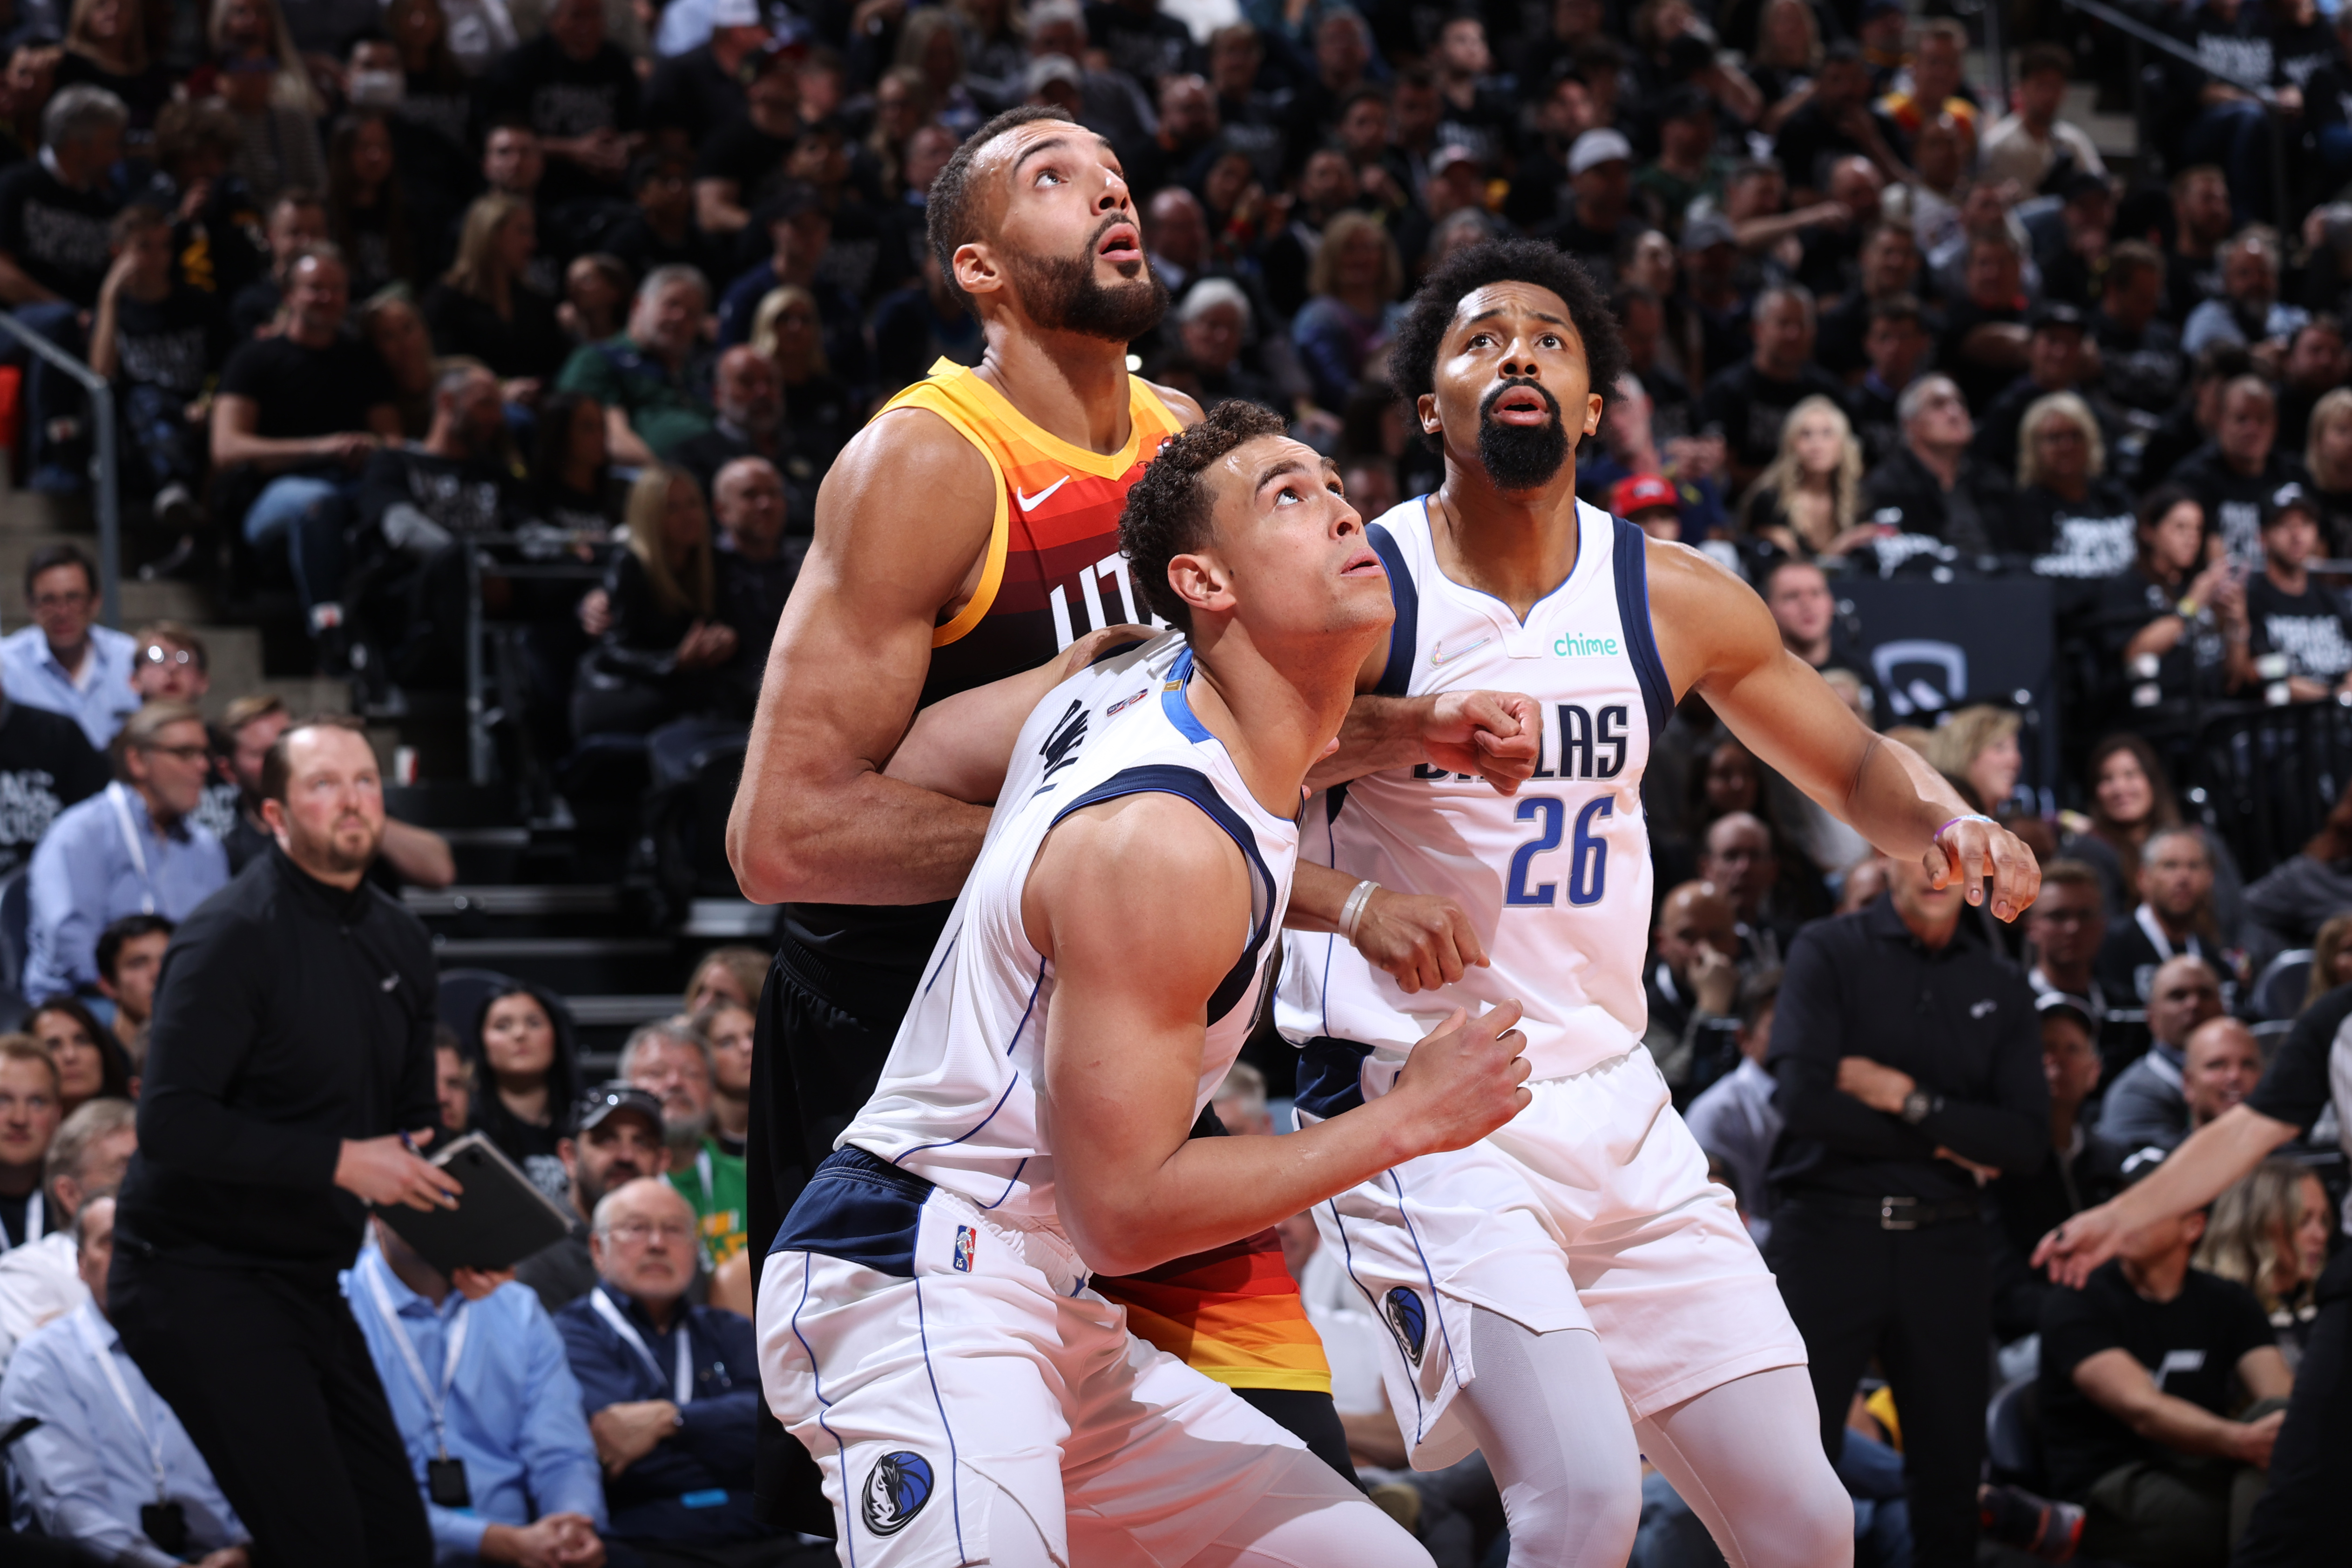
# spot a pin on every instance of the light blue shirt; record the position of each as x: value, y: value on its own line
x: 2213, y: 322
x: 85, y: 1473
x: 513, y: 1413
x: 99, y: 702
x: 85, y: 875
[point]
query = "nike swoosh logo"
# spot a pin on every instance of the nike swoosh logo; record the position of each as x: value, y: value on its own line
x: 1436, y: 659
x: 1031, y: 503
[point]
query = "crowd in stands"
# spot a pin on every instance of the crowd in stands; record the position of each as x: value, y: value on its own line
x: 380, y: 285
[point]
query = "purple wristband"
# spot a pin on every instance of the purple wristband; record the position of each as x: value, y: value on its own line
x: 1964, y: 816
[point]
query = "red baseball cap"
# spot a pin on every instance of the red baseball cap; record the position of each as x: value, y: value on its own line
x: 1640, y: 492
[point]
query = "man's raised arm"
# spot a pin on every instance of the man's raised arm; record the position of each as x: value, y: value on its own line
x: 1715, y: 634
x: 1123, y: 1044
x: 901, y: 523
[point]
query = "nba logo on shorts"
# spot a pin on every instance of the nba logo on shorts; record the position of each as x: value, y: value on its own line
x: 896, y: 1487
x: 966, y: 1240
x: 1406, y: 1320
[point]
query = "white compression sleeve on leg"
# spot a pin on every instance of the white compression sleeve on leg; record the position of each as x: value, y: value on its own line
x: 1746, y: 1456
x: 1311, y: 1519
x: 1547, y: 1412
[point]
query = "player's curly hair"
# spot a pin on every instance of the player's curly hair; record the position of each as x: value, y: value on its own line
x: 1167, y: 509
x: 1412, y: 353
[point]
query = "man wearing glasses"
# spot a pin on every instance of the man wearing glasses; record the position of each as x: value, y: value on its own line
x: 64, y: 662
x: 672, y: 1389
x: 134, y: 847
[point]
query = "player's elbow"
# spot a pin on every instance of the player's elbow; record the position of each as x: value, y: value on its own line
x: 1112, y: 1240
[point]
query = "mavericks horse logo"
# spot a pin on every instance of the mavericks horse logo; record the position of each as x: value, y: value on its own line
x: 896, y: 1487
x: 1406, y: 1320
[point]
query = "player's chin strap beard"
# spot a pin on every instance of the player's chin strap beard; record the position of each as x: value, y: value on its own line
x: 1521, y: 456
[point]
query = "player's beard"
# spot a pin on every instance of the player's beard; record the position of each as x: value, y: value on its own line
x: 1521, y: 456
x: 1063, y: 295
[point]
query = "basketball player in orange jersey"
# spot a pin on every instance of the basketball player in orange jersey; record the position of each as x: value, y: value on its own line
x: 970, y: 532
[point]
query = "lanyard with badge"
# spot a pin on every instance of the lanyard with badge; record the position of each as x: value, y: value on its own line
x: 162, y: 1521
x: 445, y: 1478
x: 683, y: 1374
x: 120, y: 799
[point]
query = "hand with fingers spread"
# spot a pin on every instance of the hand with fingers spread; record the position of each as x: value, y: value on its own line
x: 1970, y: 850
x: 1422, y: 942
x: 1495, y: 735
x: 1464, y: 1078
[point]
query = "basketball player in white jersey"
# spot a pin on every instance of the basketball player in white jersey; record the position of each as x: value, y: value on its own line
x: 1573, y: 1294
x: 926, y: 1324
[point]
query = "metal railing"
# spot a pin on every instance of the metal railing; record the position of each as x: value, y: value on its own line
x: 110, y: 481
x: 2141, y: 34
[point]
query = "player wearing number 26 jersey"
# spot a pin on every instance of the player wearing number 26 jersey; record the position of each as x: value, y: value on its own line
x: 1593, y: 1209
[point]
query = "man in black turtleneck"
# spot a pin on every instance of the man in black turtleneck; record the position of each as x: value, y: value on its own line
x: 290, y: 1063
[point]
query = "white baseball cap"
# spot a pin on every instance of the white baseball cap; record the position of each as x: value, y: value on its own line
x: 1594, y: 147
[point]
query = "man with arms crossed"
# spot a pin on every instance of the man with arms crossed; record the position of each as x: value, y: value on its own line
x: 927, y: 1324
x: 969, y: 533
x: 1574, y: 1280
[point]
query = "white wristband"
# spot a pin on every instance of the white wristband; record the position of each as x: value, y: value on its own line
x: 1352, y: 913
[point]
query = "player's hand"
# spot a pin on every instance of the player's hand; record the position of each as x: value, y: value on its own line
x: 1463, y: 1080
x: 382, y: 1170
x: 1094, y: 644
x: 1424, y: 941
x: 474, y: 1284
x: 1877, y: 1085
x: 2079, y: 1245
x: 2251, y: 1443
x: 1971, y: 850
x: 627, y: 1432
x: 1497, y: 735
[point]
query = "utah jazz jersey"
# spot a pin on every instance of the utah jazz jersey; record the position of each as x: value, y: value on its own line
x: 1051, y: 573
x: 1556, y: 876
x: 958, y: 1101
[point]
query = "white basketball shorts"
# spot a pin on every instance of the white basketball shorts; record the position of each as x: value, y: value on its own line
x: 1590, y: 1209
x: 940, y: 1364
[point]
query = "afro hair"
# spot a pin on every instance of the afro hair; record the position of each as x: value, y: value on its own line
x: 1167, y: 509
x: 1412, y: 355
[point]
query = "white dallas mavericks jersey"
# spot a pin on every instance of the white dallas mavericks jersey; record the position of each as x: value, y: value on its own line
x: 957, y: 1104
x: 1556, y: 879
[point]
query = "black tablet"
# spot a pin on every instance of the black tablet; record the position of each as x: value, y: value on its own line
x: 500, y: 1219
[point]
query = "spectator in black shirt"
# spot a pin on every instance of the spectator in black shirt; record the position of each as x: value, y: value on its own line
x: 484, y: 307
x: 1931, y: 488
x: 46, y: 764
x: 306, y: 410
x: 741, y: 169
x: 1838, y: 118
x: 579, y: 92
x: 2200, y: 221
x: 1747, y: 403
x: 1889, y: 270
x: 2234, y: 475
x: 2288, y: 614
x: 1896, y: 348
x: 661, y: 230
x: 54, y: 255
x: 1141, y: 39
x: 292, y: 1056
x: 747, y: 418
x: 819, y: 410
x: 159, y: 340
x: 2318, y: 361
x: 1983, y: 346
x: 2137, y: 1370
x: 514, y: 164
x: 695, y: 95
x: 667, y: 650
x: 2141, y: 366
x: 2069, y: 519
x: 618, y: 1140
x: 1909, y: 1063
x: 1599, y: 171
x: 758, y: 562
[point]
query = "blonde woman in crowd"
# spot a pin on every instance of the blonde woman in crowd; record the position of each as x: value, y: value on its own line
x: 1807, y: 499
x: 2270, y: 1233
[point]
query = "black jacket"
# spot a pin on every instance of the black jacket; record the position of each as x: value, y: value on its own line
x: 289, y: 1016
x: 1960, y: 1021
x: 1902, y: 491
